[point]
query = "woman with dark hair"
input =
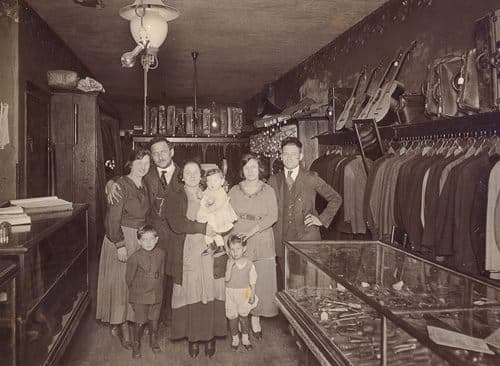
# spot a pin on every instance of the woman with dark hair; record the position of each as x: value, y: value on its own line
x: 255, y: 205
x: 198, y: 307
x: 123, y: 218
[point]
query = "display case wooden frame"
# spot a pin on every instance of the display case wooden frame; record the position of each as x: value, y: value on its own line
x: 8, y: 277
x: 52, y: 291
x: 365, y: 272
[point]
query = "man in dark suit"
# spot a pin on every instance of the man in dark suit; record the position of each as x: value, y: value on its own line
x: 296, y: 190
x: 161, y: 179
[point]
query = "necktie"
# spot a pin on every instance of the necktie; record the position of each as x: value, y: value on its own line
x: 163, y: 179
x: 289, y: 179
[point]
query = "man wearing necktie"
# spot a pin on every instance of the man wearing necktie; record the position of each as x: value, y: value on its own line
x: 296, y: 190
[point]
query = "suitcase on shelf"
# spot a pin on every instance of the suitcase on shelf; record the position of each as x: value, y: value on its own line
x: 487, y: 38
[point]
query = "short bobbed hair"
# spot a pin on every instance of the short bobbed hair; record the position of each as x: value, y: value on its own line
x: 246, y: 158
x: 136, y: 154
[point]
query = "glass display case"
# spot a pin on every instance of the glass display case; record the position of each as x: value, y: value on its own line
x: 368, y: 303
x: 52, y: 286
x: 8, y: 273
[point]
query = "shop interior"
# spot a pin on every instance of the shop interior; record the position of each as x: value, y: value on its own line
x: 396, y: 104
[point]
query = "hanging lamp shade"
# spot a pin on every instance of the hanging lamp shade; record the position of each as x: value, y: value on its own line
x: 148, y: 21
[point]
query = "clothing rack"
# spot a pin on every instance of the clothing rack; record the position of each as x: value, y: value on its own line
x: 477, y: 125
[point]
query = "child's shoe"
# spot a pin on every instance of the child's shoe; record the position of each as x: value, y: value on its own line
x: 210, y: 249
x: 138, y: 329
x: 235, y: 342
x: 246, y: 342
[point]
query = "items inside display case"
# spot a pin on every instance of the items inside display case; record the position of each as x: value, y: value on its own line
x: 370, y: 302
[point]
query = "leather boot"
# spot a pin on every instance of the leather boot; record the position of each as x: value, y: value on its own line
x: 153, y: 336
x: 125, y: 336
x: 136, y: 345
x: 245, y: 330
x: 210, y: 348
x: 193, y: 349
x: 235, y: 334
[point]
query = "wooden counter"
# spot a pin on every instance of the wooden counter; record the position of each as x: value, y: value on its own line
x: 52, y: 288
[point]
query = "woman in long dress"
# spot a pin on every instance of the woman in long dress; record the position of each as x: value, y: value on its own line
x: 123, y: 218
x: 255, y: 204
x: 198, y: 306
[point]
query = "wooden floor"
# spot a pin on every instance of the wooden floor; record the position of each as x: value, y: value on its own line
x: 93, y: 345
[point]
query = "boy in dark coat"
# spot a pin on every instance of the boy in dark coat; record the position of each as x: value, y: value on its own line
x: 144, y: 276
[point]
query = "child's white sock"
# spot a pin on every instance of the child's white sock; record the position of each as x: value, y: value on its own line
x: 245, y: 340
x: 235, y: 341
x: 256, y: 324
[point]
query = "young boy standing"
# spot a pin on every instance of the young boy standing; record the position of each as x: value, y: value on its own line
x: 144, y: 277
x: 240, y: 291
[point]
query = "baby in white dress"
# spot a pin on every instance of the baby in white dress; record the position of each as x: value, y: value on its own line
x: 215, y: 208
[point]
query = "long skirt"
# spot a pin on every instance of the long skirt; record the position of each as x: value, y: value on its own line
x: 198, y: 307
x: 112, y: 291
x: 266, y: 288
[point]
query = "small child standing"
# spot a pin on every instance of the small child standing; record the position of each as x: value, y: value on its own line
x: 240, y: 291
x: 215, y: 209
x: 144, y: 277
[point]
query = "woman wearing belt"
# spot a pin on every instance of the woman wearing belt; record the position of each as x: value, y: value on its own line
x: 255, y: 204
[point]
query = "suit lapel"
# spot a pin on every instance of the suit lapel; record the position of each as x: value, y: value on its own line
x: 153, y: 181
x: 298, y: 185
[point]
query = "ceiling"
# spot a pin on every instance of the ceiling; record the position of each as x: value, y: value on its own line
x: 242, y: 45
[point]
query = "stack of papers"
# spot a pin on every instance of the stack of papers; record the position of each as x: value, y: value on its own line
x: 43, y: 204
x: 14, y: 216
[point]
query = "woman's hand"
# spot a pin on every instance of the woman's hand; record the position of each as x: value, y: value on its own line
x: 246, y: 235
x: 122, y: 254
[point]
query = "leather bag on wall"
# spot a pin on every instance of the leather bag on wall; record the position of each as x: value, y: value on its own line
x: 468, y: 96
x: 486, y: 35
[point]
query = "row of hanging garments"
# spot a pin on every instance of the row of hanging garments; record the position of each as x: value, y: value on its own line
x: 213, y: 153
x: 342, y: 167
x: 437, y: 192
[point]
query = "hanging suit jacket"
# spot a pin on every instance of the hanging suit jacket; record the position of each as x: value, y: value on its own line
x: 298, y: 203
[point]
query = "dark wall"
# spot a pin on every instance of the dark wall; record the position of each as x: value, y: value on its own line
x: 9, y: 94
x: 440, y: 27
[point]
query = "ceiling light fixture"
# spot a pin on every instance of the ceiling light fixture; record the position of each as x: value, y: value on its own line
x: 149, y: 28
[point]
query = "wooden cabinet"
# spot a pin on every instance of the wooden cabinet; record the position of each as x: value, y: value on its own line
x: 52, y: 290
x: 77, y: 121
x: 8, y: 277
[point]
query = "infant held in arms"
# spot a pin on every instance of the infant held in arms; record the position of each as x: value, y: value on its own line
x: 215, y: 209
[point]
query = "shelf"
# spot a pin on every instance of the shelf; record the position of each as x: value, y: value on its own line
x: 186, y: 139
x: 449, y: 127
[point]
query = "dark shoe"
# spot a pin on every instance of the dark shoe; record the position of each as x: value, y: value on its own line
x: 248, y: 347
x: 125, y: 336
x: 210, y: 249
x: 138, y: 329
x: 153, y: 336
x: 210, y: 348
x: 193, y: 349
x: 115, y: 331
x: 257, y: 335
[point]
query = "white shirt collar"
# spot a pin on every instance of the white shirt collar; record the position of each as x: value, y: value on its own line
x: 169, y: 172
x: 295, y: 172
x: 168, y: 169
